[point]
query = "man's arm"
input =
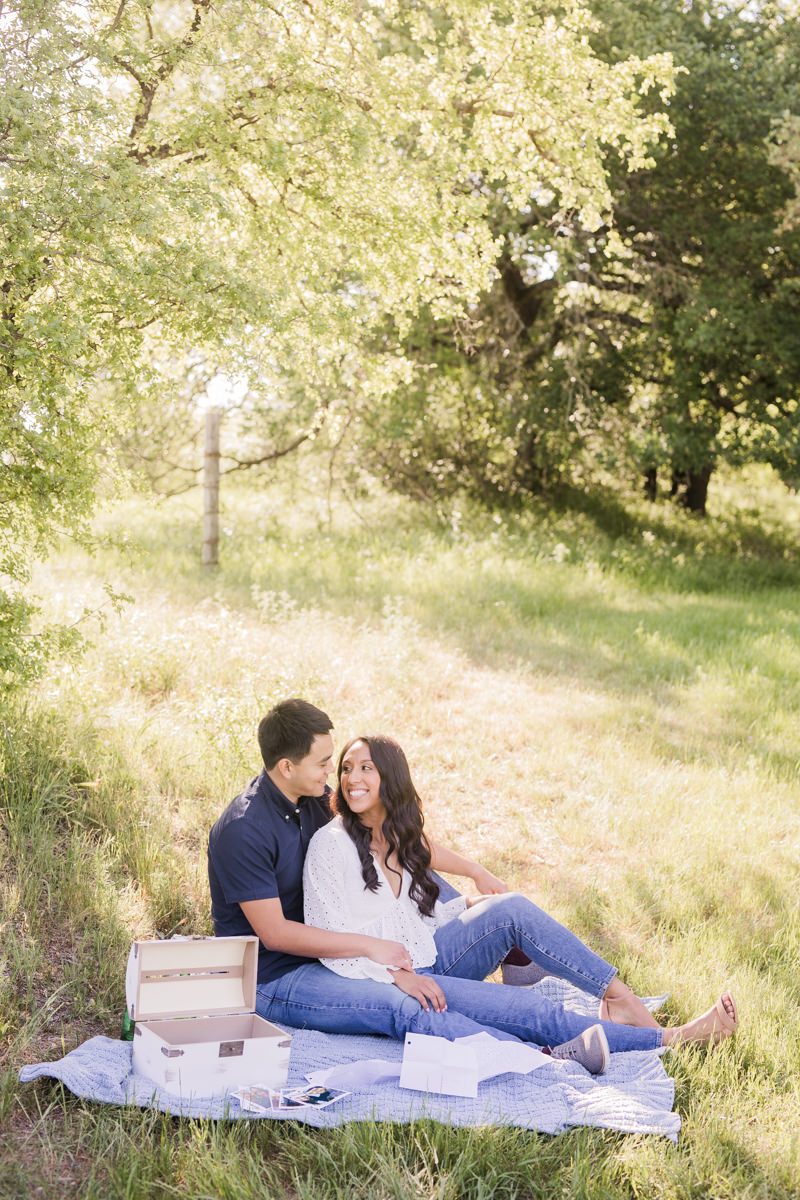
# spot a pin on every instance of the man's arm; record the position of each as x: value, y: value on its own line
x: 451, y: 863
x: 293, y: 937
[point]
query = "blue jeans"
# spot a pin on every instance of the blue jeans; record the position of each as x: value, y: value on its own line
x: 469, y: 948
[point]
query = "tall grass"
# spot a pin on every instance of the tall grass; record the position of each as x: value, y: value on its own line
x: 600, y: 703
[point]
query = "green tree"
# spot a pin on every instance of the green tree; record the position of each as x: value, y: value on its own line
x: 664, y: 339
x: 256, y: 185
x: 716, y: 359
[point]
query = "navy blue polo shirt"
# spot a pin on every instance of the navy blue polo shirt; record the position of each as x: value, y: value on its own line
x: 256, y: 851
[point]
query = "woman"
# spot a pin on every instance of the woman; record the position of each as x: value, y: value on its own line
x: 368, y: 871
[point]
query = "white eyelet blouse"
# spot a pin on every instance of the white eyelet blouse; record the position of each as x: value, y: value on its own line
x: 336, y: 898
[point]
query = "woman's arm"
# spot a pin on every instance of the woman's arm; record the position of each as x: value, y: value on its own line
x: 451, y: 863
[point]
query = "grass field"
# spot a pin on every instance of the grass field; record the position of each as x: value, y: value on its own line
x: 600, y: 703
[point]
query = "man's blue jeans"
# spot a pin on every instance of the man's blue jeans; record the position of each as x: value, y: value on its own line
x: 469, y: 948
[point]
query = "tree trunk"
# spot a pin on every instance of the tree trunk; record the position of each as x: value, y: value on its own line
x: 690, y: 487
x: 651, y: 483
x: 211, y: 489
x: 679, y: 480
x: 696, y: 494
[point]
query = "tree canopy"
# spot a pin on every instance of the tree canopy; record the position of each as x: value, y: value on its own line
x: 260, y: 185
x: 663, y: 338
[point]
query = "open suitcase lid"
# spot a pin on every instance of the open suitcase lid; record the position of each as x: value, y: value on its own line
x: 192, y: 977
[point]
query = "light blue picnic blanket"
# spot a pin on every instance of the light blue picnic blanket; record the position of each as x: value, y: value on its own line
x: 635, y: 1095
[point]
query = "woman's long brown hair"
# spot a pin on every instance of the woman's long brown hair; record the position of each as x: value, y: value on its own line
x: 402, y: 827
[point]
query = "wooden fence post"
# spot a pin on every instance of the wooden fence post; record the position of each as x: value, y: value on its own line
x: 211, y: 489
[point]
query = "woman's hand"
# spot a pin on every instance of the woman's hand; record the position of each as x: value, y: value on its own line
x: 422, y: 988
x: 451, y: 863
x: 389, y: 954
x: 487, y: 883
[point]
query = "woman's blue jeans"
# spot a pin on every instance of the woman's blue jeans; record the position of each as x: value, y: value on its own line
x: 469, y: 948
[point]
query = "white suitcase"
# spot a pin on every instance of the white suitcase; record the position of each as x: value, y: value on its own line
x: 196, y: 1032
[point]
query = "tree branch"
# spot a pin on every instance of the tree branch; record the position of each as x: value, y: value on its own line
x: 149, y: 87
x: 245, y: 464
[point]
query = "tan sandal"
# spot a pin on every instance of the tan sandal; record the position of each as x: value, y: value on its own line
x: 729, y: 1023
x: 712, y: 1027
x: 641, y: 1019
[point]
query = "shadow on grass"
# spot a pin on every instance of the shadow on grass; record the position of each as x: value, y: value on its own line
x: 139, y: 1154
x: 74, y: 876
x: 564, y: 599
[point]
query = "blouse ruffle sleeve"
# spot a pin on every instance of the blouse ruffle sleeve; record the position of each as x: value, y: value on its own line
x: 329, y: 892
x: 444, y: 913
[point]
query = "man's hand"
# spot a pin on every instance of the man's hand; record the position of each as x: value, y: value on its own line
x: 266, y: 919
x: 389, y: 954
x: 422, y: 988
x: 487, y: 883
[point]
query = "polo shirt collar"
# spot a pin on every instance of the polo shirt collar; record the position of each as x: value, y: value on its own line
x: 273, y: 795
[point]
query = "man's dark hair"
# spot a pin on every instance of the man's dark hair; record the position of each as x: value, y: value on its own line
x: 288, y: 730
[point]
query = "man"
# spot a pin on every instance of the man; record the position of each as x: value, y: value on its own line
x: 256, y: 852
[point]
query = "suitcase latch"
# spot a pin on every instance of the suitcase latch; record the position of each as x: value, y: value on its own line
x: 231, y: 1049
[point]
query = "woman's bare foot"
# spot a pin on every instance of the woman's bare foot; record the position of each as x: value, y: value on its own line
x: 623, y: 1007
x: 713, y: 1026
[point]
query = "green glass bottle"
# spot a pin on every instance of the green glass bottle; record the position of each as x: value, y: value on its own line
x: 128, y: 1027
